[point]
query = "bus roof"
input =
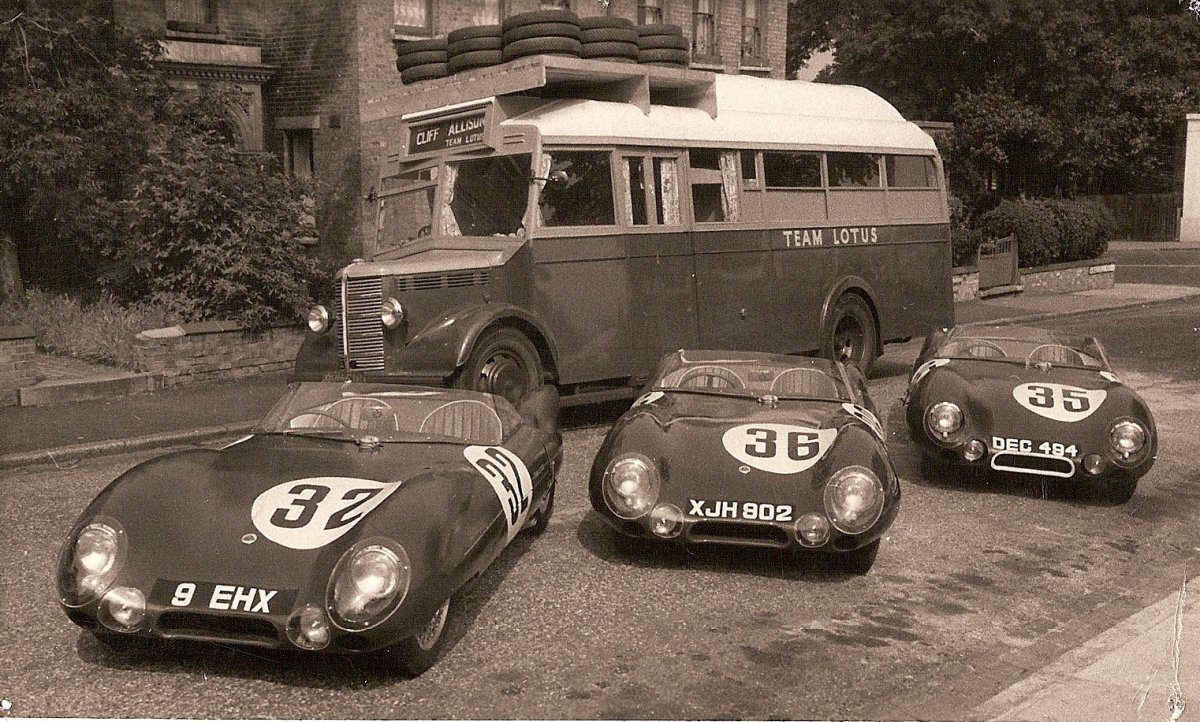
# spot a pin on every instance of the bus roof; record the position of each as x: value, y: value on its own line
x: 750, y: 112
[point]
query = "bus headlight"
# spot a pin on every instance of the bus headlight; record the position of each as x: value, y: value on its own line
x: 631, y: 484
x: 391, y: 313
x: 1127, y: 437
x: 318, y: 319
x: 853, y: 499
x: 944, y: 418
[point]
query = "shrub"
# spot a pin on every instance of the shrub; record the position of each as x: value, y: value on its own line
x: 101, y: 331
x: 1051, y: 230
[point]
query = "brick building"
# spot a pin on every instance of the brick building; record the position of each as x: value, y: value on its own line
x: 311, y: 69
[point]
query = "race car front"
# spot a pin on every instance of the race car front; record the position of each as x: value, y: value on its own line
x: 750, y: 450
x: 1029, y: 401
x: 311, y: 534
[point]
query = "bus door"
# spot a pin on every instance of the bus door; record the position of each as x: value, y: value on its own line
x: 737, y: 301
x: 661, y: 266
x: 581, y: 283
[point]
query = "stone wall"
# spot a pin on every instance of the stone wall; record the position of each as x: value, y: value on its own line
x: 1044, y: 280
x: 211, y: 350
x: 17, y: 345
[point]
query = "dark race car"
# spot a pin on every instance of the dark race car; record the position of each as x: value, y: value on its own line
x: 343, y: 524
x: 750, y: 449
x: 1028, y: 401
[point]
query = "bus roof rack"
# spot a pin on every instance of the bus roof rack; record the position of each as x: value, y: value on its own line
x: 554, y: 77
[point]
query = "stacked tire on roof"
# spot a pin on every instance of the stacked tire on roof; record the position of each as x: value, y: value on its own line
x: 542, y: 32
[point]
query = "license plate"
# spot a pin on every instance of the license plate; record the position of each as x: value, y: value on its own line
x: 1034, y: 446
x: 210, y: 596
x: 747, y: 510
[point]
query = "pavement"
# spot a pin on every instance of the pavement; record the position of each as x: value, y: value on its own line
x: 1135, y: 670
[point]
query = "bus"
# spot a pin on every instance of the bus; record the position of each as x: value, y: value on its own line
x: 569, y: 221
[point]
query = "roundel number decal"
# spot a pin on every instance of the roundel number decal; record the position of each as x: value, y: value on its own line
x: 310, y: 513
x: 1059, y: 402
x: 864, y: 415
x: 509, y: 478
x: 778, y: 448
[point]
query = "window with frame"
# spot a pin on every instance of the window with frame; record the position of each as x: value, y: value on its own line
x: 704, y: 29
x: 786, y: 169
x: 650, y: 12
x: 653, y: 191
x: 753, y: 32
x: 910, y: 171
x: 298, y: 152
x: 579, y: 190
x: 715, y: 176
x: 853, y: 170
x: 413, y: 16
x: 191, y: 15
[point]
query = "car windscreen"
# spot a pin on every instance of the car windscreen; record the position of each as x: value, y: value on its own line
x: 352, y: 412
x: 1073, y: 352
x: 790, y: 378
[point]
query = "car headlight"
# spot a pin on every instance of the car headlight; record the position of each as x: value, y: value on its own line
x: 91, y: 562
x: 853, y: 499
x: 369, y: 581
x: 391, y: 313
x: 944, y: 418
x: 631, y: 484
x: 1127, y: 437
x: 318, y: 319
x: 123, y: 609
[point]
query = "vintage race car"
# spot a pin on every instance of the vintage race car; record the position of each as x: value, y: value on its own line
x: 344, y: 523
x: 1029, y: 401
x: 750, y: 449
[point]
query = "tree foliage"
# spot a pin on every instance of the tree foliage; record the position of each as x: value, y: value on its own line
x: 1062, y: 97
x: 110, y: 179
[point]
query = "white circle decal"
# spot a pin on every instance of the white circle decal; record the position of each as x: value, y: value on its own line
x: 310, y: 513
x: 1059, y: 401
x: 509, y: 478
x: 778, y: 448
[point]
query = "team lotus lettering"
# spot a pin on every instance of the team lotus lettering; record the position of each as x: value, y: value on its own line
x: 310, y: 513
x: 1059, y: 401
x: 748, y: 510
x: 1029, y: 446
x: 804, y: 237
x: 509, y: 478
x: 778, y: 448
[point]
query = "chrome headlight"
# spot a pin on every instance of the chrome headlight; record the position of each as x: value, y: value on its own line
x: 1127, y: 437
x: 123, y: 609
x: 631, y: 484
x: 944, y: 418
x: 391, y: 313
x: 369, y: 581
x: 91, y: 562
x: 318, y: 319
x: 853, y: 499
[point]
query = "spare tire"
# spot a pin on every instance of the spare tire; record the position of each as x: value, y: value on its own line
x: 659, y: 29
x: 429, y: 71
x: 542, y: 30
x: 540, y: 16
x: 475, y: 59
x: 542, y: 46
x: 473, y: 31
x: 664, y: 55
x: 609, y: 35
x: 619, y: 50
x: 471, y: 45
x: 423, y: 57
x: 605, y: 21
x: 418, y: 46
x: 658, y: 42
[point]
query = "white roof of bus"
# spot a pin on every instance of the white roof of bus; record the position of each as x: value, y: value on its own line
x: 751, y: 112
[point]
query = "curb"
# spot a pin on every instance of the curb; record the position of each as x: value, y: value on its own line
x: 1035, y: 317
x: 114, y: 446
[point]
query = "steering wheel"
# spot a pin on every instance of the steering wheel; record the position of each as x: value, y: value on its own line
x: 983, y: 343
x: 341, y: 422
x: 719, y: 373
x: 1055, y: 353
x: 424, y: 230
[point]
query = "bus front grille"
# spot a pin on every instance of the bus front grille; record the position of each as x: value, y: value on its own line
x: 451, y: 279
x: 361, y: 328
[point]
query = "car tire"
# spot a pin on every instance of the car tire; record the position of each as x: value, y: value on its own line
x: 415, y: 655
x: 664, y: 55
x: 409, y: 47
x: 1119, y: 491
x: 474, y: 59
x: 596, y: 22
x: 429, y: 71
x: 471, y: 45
x: 502, y: 362
x: 609, y: 50
x: 542, y: 30
x: 535, y: 17
x: 472, y: 32
x: 663, y: 42
x: 858, y: 561
x: 541, y: 519
x: 542, y: 46
x: 609, y: 35
x: 851, y: 334
x: 424, y: 57
x: 659, y: 29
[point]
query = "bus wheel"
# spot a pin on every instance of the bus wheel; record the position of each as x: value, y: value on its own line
x: 504, y: 363
x: 853, y: 336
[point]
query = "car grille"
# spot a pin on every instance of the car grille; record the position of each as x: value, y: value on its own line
x: 361, y: 328
x: 452, y: 279
x: 1033, y: 464
x: 737, y: 532
x: 190, y: 625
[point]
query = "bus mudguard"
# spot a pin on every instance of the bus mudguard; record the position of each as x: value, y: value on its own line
x: 452, y: 336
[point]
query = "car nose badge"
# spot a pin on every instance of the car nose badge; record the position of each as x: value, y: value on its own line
x: 744, y: 469
x: 249, y: 538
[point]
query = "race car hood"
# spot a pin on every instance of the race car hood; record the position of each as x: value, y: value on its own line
x: 712, y: 446
x: 239, y: 515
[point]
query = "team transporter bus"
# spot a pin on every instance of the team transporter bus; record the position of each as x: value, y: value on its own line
x: 583, y: 217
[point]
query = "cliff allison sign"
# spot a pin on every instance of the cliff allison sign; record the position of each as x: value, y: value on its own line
x: 461, y: 131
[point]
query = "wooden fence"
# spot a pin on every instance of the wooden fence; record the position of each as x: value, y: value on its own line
x: 1144, y: 216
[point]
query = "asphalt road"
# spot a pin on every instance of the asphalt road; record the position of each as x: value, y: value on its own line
x: 976, y: 585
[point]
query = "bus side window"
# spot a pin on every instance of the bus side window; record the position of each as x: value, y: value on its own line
x: 584, y: 197
x: 715, y: 177
x: 666, y: 183
x: 652, y: 199
x: 854, y: 170
x: 637, y: 197
x: 910, y: 171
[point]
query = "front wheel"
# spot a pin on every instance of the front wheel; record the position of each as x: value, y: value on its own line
x: 852, y: 336
x: 419, y: 652
x: 503, y: 362
x: 858, y: 561
x: 541, y: 518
